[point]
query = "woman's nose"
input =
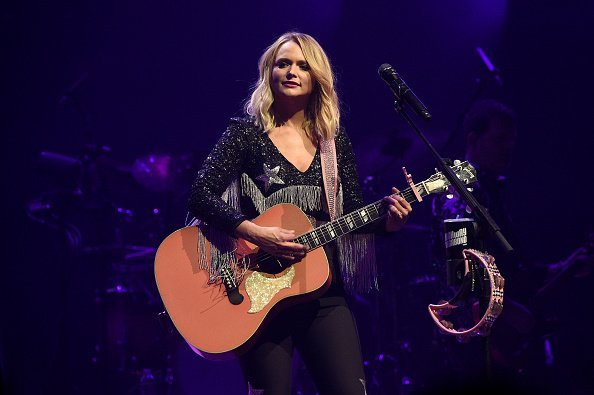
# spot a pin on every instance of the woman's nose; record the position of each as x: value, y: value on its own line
x: 291, y: 70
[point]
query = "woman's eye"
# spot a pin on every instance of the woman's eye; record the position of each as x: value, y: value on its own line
x: 282, y: 64
x: 304, y: 67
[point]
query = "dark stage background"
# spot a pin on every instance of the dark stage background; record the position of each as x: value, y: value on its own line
x: 109, y: 107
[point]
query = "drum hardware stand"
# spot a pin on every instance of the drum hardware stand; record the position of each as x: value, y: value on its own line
x: 112, y: 356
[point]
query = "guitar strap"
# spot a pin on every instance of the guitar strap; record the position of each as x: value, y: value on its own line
x: 329, y: 174
x: 356, y: 252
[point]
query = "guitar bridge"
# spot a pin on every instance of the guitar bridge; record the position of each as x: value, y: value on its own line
x: 231, y: 286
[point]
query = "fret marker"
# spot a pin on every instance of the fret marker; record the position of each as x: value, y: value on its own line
x: 332, y: 232
x: 364, y: 216
x: 315, y: 237
x: 350, y: 223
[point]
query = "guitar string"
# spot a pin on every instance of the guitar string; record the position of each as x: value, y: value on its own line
x: 343, y: 220
x: 407, y: 194
x: 265, y: 256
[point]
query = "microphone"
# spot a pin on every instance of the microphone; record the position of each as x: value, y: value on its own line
x: 402, y: 91
x: 494, y: 71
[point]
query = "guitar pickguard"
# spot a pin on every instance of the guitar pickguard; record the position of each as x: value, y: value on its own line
x: 262, y: 287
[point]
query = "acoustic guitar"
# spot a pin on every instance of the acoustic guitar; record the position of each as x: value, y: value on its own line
x: 221, y: 319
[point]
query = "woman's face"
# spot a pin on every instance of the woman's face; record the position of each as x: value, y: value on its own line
x: 290, y: 73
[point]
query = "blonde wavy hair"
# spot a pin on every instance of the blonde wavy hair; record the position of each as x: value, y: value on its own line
x: 322, y: 116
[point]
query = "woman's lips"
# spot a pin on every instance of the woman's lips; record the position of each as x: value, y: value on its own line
x: 291, y: 84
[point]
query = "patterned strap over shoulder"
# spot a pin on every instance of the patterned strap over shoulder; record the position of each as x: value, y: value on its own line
x: 329, y: 173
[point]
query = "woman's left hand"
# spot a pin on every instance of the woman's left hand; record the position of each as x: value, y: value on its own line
x: 398, y: 211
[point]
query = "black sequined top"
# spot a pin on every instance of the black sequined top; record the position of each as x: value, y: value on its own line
x: 244, y: 150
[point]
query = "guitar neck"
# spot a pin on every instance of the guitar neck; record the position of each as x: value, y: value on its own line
x: 354, y: 220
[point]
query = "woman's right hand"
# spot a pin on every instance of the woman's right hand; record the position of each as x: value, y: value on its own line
x: 272, y: 239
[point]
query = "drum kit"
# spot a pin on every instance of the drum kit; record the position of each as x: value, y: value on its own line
x: 113, y: 216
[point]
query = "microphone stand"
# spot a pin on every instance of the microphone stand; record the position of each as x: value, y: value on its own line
x: 480, y: 213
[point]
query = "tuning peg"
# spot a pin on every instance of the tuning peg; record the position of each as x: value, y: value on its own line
x: 470, y: 189
x: 457, y: 162
x: 450, y: 196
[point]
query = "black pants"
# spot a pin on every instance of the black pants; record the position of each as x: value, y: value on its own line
x: 325, y: 334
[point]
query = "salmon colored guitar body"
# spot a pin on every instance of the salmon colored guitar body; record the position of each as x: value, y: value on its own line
x: 203, y: 314
x: 222, y: 319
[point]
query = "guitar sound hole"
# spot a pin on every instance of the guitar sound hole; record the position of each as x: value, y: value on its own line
x: 269, y: 264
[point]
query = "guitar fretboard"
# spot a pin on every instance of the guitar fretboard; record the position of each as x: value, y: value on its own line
x: 354, y: 220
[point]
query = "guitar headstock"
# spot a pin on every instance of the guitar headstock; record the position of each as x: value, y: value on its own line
x: 438, y: 183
